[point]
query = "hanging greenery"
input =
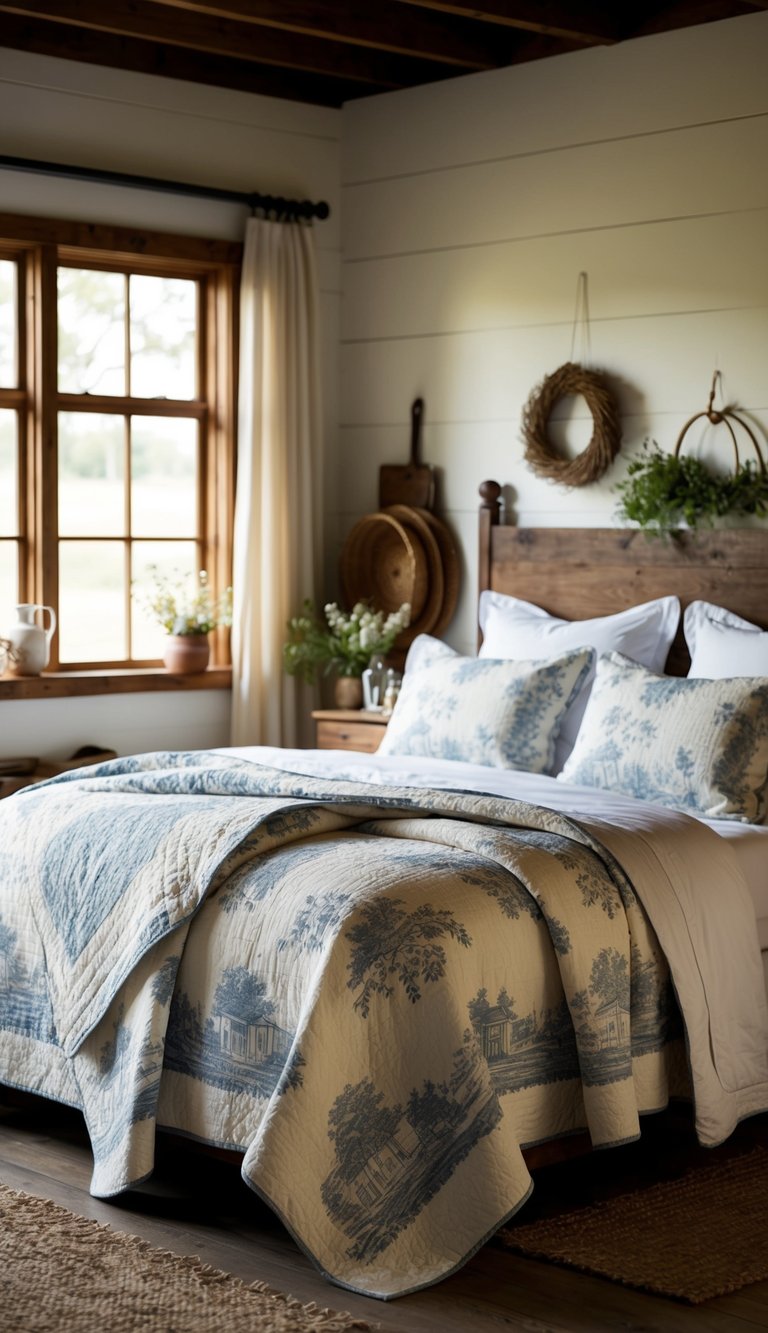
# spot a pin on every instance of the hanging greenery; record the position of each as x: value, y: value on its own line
x: 666, y: 491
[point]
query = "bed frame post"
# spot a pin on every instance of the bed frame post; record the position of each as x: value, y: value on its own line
x: 489, y: 517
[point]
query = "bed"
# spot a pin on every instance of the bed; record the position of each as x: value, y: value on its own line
x: 388, y: 980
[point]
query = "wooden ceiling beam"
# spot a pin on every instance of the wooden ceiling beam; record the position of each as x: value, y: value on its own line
x: 100, y: 48
x: 430, y: 35
x: 589, y: 24
x: 141, y: 19
x: 326, y: 52
x: 643, y: 19
x: 537, y: 46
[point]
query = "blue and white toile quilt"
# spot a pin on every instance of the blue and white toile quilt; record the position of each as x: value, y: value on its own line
x: 376, y: 994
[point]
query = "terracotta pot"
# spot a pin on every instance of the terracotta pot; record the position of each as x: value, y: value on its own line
x: 348, y: 692
x: 186, y: 653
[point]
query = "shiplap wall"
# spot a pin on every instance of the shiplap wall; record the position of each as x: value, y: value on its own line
x: 70, y: 112
x: 469, y: 209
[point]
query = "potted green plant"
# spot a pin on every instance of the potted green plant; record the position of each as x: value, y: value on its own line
x: 188, y: 613
x: 663, y: 492
x: 343, y: 642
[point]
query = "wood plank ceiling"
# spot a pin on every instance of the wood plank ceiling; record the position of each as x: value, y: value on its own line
x: 329, y: 51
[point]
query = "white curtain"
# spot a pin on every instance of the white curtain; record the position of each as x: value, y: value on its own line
x: 278, y: 510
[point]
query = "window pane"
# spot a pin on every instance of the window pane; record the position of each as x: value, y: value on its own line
x: 9, y: 584
x: 9, y: 480
x: 9, y: 371
x: 174, y: 561
x: 92, y: 602
x: 91, y: 475
x: 163, y: 477
x: 163, y: 342
x: 91, y: 331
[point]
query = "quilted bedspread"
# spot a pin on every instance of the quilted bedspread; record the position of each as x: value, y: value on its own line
x: 376, y: 994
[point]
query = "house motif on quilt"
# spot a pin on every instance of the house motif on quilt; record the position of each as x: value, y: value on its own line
x: 522, y: 1050
x: 501, y: 1031
x: 613, y: 1023
x: 391, y: 1159
x: 388, y: 1164
x: 250, y: 1043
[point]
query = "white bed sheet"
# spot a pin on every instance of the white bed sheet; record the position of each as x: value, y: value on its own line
x: 749, y: 842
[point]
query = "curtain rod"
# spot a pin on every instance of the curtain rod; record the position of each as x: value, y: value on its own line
x: 268, y: 203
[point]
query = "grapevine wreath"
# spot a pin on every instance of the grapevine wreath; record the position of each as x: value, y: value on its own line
x: 592, y: 462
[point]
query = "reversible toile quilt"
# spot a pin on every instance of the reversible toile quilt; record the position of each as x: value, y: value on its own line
x: 377, y: 995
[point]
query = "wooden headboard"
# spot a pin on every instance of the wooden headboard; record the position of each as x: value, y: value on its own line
x: 581, y: 572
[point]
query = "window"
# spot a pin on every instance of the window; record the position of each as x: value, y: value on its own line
x: 116, y: 428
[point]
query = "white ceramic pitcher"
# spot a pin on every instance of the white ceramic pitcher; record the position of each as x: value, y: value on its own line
x: 31, y: 641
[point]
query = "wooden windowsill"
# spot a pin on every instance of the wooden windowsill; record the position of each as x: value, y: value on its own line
x: 68, y: 684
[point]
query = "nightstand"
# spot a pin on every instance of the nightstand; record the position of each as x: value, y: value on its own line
x: 348, y: 729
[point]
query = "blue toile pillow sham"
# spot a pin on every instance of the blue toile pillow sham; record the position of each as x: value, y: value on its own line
x: 518, y: 629
x: 481, y: 711
x: 695, y: 745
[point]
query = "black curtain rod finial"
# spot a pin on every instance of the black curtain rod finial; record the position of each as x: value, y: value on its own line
x: 290, y: 209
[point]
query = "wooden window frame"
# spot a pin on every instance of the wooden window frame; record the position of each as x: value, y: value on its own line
x: 16, y: 399
x: 40, y: 245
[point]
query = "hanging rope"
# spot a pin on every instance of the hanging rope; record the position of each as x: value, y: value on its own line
x: 571, y: 379
x: 581, y: 318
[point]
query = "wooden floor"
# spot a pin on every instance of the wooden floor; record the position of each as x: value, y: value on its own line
x: 195, y: 1205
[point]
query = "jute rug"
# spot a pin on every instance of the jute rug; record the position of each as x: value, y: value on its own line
x: 65, y: 1274
x: 700, y: 1236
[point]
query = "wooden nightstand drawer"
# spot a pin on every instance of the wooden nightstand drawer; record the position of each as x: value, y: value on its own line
x: 338, y: 729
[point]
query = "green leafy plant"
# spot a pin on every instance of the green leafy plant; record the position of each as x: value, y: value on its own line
x: 663, y: 491
x: 183, y: 606
x: 344, y: 642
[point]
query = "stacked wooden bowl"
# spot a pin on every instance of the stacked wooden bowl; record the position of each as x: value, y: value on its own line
x: 403, y: 553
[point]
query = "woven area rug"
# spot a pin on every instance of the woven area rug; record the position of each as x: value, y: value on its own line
x: 65, y: 1274
x: 694, y: 1238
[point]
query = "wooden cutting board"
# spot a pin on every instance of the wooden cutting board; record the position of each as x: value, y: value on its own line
x: 411, y: 483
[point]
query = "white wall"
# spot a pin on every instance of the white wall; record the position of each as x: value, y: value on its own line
x: 469, y: 209
x: 127, y: 723
x: 117, y: 120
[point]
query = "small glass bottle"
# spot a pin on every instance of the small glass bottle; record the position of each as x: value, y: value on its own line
x: 394, y: 681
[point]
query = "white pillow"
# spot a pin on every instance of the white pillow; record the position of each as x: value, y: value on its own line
x: 722, y: 644
x: 501, y: 714
x: 425, y: 650
x: 516, y: 629
x: 695, y: 745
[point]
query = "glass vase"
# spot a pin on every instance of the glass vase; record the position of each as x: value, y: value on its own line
x: 374, y: 684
